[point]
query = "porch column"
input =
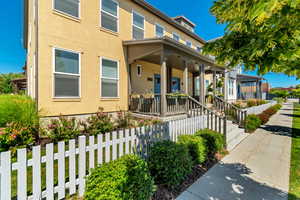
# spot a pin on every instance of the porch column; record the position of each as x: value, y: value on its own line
x: 169, y: 79
x: 256, y: 90
x: 214, y: 82
x: 225, y: 86
x: 163, y: 85
x: 186, y: 78
x: 202, y: 83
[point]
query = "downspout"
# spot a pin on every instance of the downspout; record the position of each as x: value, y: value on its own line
x: 36, y: 53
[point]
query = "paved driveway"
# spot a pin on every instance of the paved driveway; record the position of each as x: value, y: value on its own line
x: 258, y: 169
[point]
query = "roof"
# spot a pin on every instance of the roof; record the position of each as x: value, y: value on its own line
x: 214, y: 39
x: 167, y: 19
x: 249, y: 77
x: 185, y: 19
x: 171, y: 42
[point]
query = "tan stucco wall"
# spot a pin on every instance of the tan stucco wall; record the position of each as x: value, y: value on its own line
x: 86, y: 36
x: 141, y: 84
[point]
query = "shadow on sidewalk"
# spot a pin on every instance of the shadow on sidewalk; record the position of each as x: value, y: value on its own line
x: 278, y: 130
x: 233, y: 182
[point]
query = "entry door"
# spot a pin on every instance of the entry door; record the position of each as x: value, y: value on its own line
x: 156, y: 83
x: 175, y: 84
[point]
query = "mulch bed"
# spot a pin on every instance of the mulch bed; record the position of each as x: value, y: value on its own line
x: 163, y: 193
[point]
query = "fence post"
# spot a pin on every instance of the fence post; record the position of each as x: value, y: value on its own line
x: 5, y: 161
x: 22, y: 174
x: 82, y: 165
x: 225, y: 130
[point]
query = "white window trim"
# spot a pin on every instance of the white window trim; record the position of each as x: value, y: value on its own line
x: 69, y: 15
x: 118, y: 21
x: 101, y: 77
x: 157, y: 24
x: 188, y: 41
x: 133, y: 25
x: 137, y: 71
x: 62, y: 73
x: 174, y: 33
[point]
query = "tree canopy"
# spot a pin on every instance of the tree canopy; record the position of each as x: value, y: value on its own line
x: 279, y: 93
x: 259, y: 34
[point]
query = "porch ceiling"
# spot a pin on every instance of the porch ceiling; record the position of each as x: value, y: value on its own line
x: 155, y: 49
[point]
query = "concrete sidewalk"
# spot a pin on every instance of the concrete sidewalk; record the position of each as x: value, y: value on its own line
x: 258, y: 169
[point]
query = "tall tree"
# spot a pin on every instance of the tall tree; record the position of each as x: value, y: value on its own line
x: 259, y: 34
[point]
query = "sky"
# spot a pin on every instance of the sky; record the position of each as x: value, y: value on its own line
x: 12, y: 53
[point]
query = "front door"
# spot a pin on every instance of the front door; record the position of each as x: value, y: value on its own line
x: 175, y: 84
x: 156, y: 83
x: 157, y: 86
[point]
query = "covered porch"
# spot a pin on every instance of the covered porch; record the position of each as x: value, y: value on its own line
x: 167, y: 77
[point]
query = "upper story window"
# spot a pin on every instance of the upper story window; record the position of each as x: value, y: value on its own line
x: 189, y: 44
x: 70, y: 7
x: 139, y: 70
x: 109, y: 78
x: 138, y: 26
x: 176, y: 37
x: 109, y: 15
x: 159, y: 30
x: 66, y: 74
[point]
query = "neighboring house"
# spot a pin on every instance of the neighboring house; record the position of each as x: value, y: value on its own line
x: 82, y: 55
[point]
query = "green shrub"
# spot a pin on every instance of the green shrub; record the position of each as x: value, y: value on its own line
x: 270, y: 111
x: 63, y: 128
x: 252, y: 123
x: 214, y: 141
x: 279, y: 100
x: 127, y: 178
x: 124, y: 120
x: 169, y: 163
x: 99, y: 123
x: 251, y: 103
x: 264, y: 118
x: 196, y: 146
x: 277, y: 107
x: 18, y: 109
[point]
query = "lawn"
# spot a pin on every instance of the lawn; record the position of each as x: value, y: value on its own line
x: 294, y: 193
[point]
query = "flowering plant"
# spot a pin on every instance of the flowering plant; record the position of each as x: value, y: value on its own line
x: 99, y: 123
x: 63, y: 128
x: 17, y: 136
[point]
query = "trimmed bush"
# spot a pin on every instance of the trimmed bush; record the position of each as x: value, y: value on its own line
x: 19, y: 109
x: 252, y: 123
x: 213, y: 140
x: 264, y: 118
x: 196, y: 146
x: 127, y: 178
x: 169, y: 163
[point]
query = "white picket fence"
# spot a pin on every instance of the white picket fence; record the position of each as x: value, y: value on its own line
x: 63, y: 167
x: 259, y: 109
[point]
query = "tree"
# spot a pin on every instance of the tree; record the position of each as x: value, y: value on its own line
x: 296, y: 93
x: 6, y: 85
x: 280, y: 93
x: 259, y: 34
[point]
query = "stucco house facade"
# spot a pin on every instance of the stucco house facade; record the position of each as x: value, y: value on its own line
x: 82, y: 55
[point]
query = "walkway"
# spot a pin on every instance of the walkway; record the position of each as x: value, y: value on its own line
x: 258, y: 169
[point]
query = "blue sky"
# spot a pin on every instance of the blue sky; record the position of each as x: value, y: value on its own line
x: 12, y: 54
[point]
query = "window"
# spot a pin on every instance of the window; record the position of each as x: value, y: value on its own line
x: 109, y: 15
x: 189, y: 44
x: 159, y: 30
x: 138, y: 26
x: 70, y: 7
x: 199, y: 49
x: 109, y: 78
x: 176, y: 37
x: 231, y: 87
x: 139, y: 70
x: 66, y: 73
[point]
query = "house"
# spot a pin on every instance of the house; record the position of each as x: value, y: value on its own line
x: 82, y: 55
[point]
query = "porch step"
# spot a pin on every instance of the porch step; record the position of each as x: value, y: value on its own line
x: 235, y: 136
